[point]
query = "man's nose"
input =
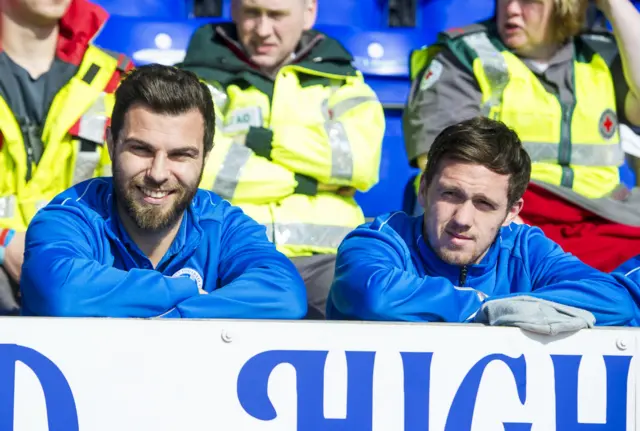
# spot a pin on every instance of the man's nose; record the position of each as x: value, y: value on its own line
x: 464, y: 214
x: 158, y: 171
x: 264, y: 27
x: 512, y: 7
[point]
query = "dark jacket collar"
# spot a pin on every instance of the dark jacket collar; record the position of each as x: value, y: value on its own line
x: 216, y: 46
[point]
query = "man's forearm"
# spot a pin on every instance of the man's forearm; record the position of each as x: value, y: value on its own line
x: 625, y: 20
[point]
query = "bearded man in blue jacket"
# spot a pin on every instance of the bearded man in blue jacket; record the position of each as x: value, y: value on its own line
x: 148, y: 243
x: 466, y: 260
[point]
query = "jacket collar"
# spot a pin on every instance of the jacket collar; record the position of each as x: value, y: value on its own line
x: 229, y: 36
x: 217, y: 47
x: 78, y: 27
x: 435, y: 266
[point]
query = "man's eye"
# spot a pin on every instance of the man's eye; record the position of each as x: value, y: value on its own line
x: 485, y: 205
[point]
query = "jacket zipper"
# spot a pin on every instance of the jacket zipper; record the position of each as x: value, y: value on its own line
x: 29, y: 159
x: 463, y: 276
x: 564, y: 153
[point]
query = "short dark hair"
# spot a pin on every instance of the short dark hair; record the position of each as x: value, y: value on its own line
x: 164, y: 90
x: 484, y: 142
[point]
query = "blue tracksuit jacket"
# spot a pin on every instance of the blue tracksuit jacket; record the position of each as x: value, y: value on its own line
x: 79, y: 261
x: 386, y: 271
x: 629, y: 274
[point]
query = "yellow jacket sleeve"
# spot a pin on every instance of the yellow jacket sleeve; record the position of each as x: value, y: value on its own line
x: 236, y: 173
x: 344, y: 149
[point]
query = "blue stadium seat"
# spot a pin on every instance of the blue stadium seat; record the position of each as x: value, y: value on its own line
x: 148, y: 40
x: 171, y: 9
x: 383, y: 57
x: 395, y: 172
x: 438, y: 15
x: 627, y: 175
x: 357, y: 13
x: 361, y: 14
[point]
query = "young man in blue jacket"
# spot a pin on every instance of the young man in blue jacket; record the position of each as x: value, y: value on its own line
x: 148, y: 243
x: 465, y: 260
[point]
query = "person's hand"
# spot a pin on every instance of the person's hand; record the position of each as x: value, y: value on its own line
x: 14, y: 256
x: 344, y: 191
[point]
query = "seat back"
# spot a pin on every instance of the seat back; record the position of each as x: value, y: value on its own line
x: 148, y: 40
x: 162, y: 9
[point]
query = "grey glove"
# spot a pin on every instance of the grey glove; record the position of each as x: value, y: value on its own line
x: 535, y: 315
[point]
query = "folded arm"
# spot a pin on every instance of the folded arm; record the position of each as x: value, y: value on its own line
x: 256, y: 281
x: 561, y: 277
x: 236, y: 173
x: 61, y: 275
x: 374, y: 282
x: 344, y: 148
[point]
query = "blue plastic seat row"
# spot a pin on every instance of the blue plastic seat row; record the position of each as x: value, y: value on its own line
x: 382, y: 57
x: 362, y: 14
x: 381, y: 54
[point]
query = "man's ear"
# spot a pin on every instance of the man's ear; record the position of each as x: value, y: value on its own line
x: 513, y: 212
x: 110, y: 144
x: 422, y: 191
x: 310, y: 13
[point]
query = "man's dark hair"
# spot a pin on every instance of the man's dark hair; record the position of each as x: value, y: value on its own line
x: 164, y: 90
x: 483, y: 142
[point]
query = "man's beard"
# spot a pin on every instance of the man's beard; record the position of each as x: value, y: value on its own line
x: 151, y: 217
x: 454, y: 257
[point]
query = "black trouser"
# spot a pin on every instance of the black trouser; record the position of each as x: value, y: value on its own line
x: 317, y: 272
x: 9, y: 290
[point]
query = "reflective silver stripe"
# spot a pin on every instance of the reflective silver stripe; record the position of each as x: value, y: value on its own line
x: 93, y: 122
x: 494, y: 65
x: 7, y: 206
x: 341, y: 153
x: 581, y: 154
x: 220, y: 99
x: 301, y: 234
x: 86, y: 164
x: 231, y: 170
x: 343, y: 106
x: 92, y: 126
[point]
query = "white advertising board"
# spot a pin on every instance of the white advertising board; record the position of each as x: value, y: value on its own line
x: 108, y: 374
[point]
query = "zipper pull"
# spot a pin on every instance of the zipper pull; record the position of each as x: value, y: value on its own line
x: 463, y: 276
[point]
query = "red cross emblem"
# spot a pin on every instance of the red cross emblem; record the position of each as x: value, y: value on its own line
x: 608, y: 124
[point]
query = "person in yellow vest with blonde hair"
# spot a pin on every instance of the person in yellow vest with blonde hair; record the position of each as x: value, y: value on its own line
x: 572, y: 93
x: 299, y: 131
x: 56, y: 97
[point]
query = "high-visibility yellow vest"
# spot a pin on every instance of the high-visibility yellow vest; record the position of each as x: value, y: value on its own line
x: 73, y: 136
x: 576, y: 146
x: 299, y: 224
